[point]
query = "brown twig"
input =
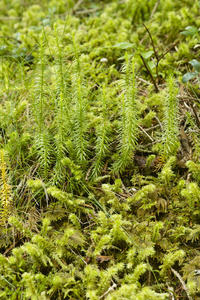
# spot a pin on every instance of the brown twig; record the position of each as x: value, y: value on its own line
x: 143, y: 80
x: 147, y: 68
x: 152, y: 127
x: 182, y: 282
x: 152, y: 42
x: 196, y: 116
x: 163, y: 55
x: 171, y: 291
x: 11, y: 247
x: 151, y: 16
x: 154, y: 9
x: 158, y: 58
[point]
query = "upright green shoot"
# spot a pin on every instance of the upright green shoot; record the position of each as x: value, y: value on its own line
x: 62, y: 120
x: 171, y: 128
x: 129, y: 118
x: 102, y: 142
x: 79, y: 94
x: 42, y: 140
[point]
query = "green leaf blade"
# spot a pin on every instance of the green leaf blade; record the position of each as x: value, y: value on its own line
x: 123, y: 45
x: 196, y: 64
x: 190, y: 30
x: 146, y: 55
x: 188, y: 76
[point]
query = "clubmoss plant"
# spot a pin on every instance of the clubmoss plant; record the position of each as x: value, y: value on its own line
x: 129, y: 118
x: 171, y: 128
x: 102, y: 141
x: 42, y: 138
x: 69, y: 125
x: 79, y: 93
x: 62, y: 123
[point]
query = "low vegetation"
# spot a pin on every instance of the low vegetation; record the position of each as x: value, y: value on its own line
x: 100, y: 147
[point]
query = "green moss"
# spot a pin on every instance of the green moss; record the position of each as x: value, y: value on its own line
x: 105, y: 196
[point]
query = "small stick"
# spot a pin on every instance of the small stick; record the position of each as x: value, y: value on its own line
x: 77, y: 254
x: 146, y: 133
x: 77, y: 5
x: 111, y: 288
x: 152, y: 42
x: 195, y: 113
x: 154, y: 9
x: 88, y: 173
x: 151, y: 16
x: 168, y: 50
x: 182, y: 282
x: 158, y: 58
x: 143, y: 80
x: 171, y: 290
x: 159, y: 123
x: 146, y: 67
x: 153, y: 127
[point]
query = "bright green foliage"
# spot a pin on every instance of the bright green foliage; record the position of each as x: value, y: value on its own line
x: 167, y: 175
x: 79, y: 94
x: 129, y: 129
x: 102, y: 142
x: 143, y: 196
x: 5, y: 189
x: 170, y: 259
x: 194, y: 134
x: 194, y: 169
x: 42, y: 138
x: 171, y: 129
x: 62, y: 119
x: 192, y: 194
x: 105, y: 198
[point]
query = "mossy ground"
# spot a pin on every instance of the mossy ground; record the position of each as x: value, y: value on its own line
x: 100, y: 147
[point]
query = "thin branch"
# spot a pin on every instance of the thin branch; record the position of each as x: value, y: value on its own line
x: 182, y: 282
x: 111, y: 288
x: 77, y: 255
x: 152, y: 42
x: 146, y: 67
x: 77, y: 5
x: 146, y: 133
x: 152, y: 127
x: 160, y: 57
x: 151, y: 16
x: 195, y: 113
x: 159, y: 123
x: 171, y: 291
x: 143, y: 80
x: 154, y: 9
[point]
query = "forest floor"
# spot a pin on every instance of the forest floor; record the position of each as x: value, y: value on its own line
x: 99, y: 150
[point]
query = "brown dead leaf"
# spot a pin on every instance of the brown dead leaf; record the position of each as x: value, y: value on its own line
x: 102, y: 258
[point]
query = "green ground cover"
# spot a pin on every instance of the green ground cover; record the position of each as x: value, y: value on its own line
x: 99, y: 149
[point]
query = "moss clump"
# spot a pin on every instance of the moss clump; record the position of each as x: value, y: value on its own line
x: 100, y: 146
